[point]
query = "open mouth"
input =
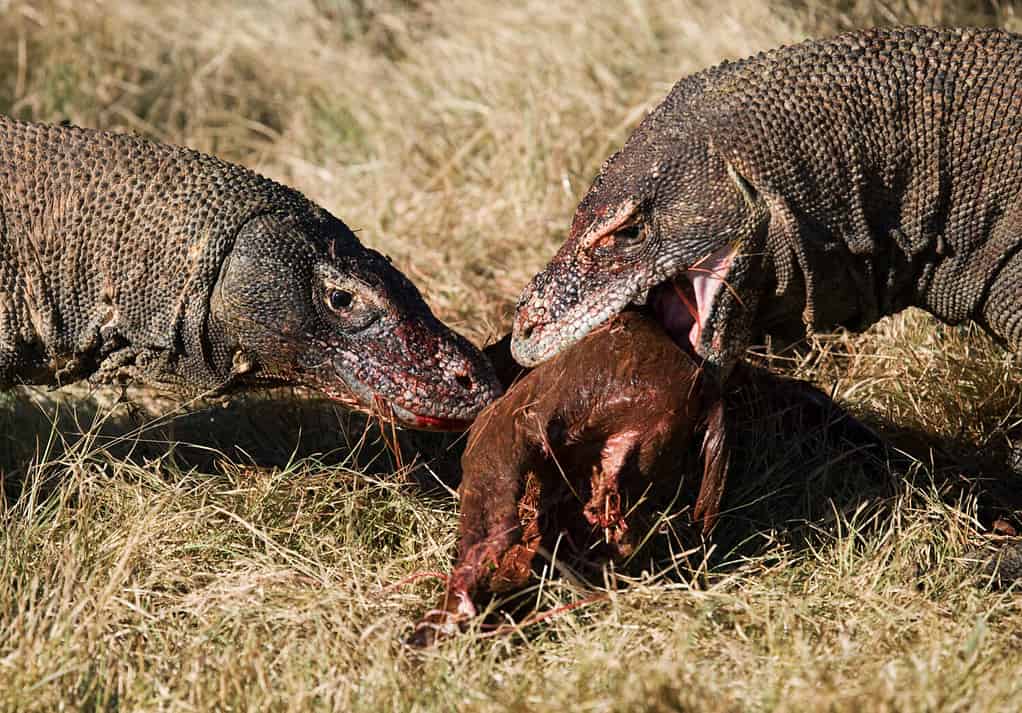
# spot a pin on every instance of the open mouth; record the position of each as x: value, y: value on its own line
x: 683, y: 303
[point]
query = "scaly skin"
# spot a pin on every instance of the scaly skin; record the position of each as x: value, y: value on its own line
x: 828, y: 183
x: 126, y: 260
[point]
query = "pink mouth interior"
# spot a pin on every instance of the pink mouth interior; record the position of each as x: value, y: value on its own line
x: 683, y: 304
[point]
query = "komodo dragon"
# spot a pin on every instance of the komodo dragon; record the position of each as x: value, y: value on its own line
x: 126, y: 260
x: 828, y: 183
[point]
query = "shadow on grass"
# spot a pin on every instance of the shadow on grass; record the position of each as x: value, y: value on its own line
x: 272, y: 429
x: 793, y: 481
x: 800, y: 471
x: 798, y: 468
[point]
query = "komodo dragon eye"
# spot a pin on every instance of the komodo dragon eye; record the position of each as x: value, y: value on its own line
x: 339, y: 300
x: 629, y: 234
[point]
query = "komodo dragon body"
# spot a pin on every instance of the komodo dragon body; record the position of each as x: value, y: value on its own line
x: 828, y: 183
x: 126, y: 260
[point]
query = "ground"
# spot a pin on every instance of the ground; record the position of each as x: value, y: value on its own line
x: 227, y: 558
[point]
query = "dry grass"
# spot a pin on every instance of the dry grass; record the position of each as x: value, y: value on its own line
x: 251, y: 564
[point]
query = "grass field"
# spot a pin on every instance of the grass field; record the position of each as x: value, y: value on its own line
x: 259, y: 555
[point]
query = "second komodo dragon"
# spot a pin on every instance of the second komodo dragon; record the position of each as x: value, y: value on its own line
x: 828, y: 183
x: 126, y: 260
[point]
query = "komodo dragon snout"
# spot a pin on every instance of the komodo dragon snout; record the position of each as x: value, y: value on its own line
x: 309, y: 304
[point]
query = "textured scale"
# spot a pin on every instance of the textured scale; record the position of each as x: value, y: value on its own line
x: 115, y: 233
x: 904, y: 145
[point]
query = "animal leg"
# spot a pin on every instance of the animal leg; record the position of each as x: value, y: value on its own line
x: 604, y: 506
x: 481, y: 562
x: 1002, y: 310
x: 715, y: 465
x: 492, y: 550
x: 8, y: 350
x: 8, y: 362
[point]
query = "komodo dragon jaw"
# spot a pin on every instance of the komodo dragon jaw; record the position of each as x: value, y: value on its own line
x: 683, y: 303
x: 308, y: 304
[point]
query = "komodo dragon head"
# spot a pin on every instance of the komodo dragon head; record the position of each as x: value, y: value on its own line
x: 669, y: 224
x: 301, y: 300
